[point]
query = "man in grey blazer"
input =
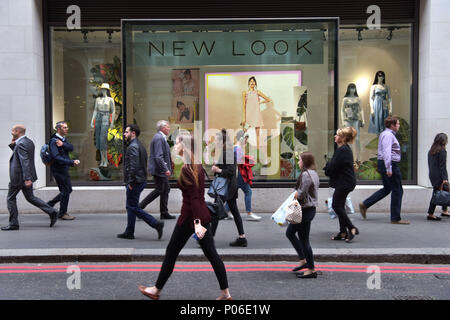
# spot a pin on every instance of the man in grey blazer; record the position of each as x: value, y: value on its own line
x: 22, y: 174
x: 160, y: 167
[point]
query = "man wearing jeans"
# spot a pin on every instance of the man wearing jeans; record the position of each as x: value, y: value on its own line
x: 135, y: 178
x: 388, y: 166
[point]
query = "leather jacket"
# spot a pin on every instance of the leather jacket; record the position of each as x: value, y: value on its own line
x: 135, y: 163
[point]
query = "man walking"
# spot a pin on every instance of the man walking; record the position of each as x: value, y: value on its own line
x: 59, y: 167
x: 22, y: 174
x: 135, y: 179
x: 388, y: 166
x: 160, y: 166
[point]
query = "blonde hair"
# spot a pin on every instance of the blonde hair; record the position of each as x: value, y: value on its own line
x: 348, y: 134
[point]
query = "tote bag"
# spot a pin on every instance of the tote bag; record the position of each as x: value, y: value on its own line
x: 279, y: 217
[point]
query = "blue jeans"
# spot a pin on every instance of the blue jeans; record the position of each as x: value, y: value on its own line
x: 133, y: 209
x: 247, y: 192
x: 390, y: 184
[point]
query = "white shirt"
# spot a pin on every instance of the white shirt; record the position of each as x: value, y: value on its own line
x: 62, y: 138
x: 165, y: 137
x: 18, y: 139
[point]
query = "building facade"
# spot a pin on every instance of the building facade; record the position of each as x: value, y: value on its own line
x: 315, y: 66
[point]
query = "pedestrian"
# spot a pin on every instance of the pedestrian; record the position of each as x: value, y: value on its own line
x: 307, y: 187
x: 389, y: 156
x: 226, y: 168
x: 194, y: 218
x: 160, y: 167
x: 244, y: 174
x: 22, y: 174
x: 135, y: 179
x: 437, y: 166
x: 341, y: 171
x: 59, y: 167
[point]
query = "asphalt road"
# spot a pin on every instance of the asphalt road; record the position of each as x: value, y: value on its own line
x: 247, y: 281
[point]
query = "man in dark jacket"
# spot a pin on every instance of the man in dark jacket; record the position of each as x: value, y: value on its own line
x: 59, y: 167
x: 160, y: 166
x: 135, y: 179
x: 22, y: 174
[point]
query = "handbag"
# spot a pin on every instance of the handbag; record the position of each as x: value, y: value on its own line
x: 219, y: 187
x: 294, y: 212
x: 216, y: 208
x: 279, y: 217
x: 441, y: 197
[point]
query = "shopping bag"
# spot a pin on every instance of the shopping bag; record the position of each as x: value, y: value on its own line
x: 349, y: 209
x: 442, y: 197
x: 279, y: 217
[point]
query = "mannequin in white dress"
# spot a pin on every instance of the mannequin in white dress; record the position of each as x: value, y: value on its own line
x: 103, y: 119
x: 352, y: 115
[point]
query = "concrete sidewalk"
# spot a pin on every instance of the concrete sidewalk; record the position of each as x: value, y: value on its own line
x: 92, y: 237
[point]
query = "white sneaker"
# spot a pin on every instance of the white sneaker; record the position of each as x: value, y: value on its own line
x: 253, y: 217
x: 230, y: 216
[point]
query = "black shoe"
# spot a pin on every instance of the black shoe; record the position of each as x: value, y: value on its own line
x: 340, y: 236
x: 53, y: 218
x: 125, y: 236
x: 159, y: 228
x: 300, y: 267
x: 239, y: 242
x: 307, y: 276
x: 166, y: 216
x: 350, y: 235
x: 434, y: 218
x: 10, y: 228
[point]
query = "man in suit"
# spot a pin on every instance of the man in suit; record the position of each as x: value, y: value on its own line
x: 135, y: 178
x: 22, y: 174
x: 59, y: 167
x: 160, y: 166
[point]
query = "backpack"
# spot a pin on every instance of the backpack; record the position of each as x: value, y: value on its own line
x: 46, y: 155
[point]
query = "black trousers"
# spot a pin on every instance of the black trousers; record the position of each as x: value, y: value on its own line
x: 162, y: 190
x: 29, y: 196
x: 432, y: 206
x: 301, y: 243
x: 236, y: 215
x: 339, y: 197
x: 62, y: 179
x: 180, y: 236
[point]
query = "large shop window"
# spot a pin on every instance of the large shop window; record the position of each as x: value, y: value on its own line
x: 365, y: 99
x: 82, y: 62
x: 274, y: 80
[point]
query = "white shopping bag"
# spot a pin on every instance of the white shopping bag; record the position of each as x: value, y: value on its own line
x: 279, y: 217
x: 348, y: 204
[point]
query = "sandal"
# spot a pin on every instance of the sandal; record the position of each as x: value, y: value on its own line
x: 222, y: 297
x: 149, y: 295
x: 445, y: 214
x: 434, y: 218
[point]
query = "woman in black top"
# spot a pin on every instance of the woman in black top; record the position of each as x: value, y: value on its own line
x: 226, y: 167
x: 341, y: 171
x: 437, y: 166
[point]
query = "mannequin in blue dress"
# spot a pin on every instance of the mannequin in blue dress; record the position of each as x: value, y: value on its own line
x: 380, y: 103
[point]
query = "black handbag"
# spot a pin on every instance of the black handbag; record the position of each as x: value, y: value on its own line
x: 441, y: 197
x: 219, y: 186
x: 216, y: 208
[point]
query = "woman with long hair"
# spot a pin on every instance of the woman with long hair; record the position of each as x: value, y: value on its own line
x: 341, y: 171
x: 226, y: 168
x: 194, y: 217
x: 437, y: 166
x: 307, y: 187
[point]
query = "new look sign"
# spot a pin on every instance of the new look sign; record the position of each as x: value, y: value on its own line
x: 228, y: 48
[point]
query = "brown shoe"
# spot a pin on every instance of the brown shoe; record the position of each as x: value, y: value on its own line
x: 67, y: 217
x: 400, y: 222
x: 363, y: 210
x: 145, y: 293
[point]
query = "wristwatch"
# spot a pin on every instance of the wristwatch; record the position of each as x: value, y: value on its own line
x: 197, y: 221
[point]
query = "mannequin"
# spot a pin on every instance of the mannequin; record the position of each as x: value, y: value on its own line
x: 352, y: 115
x: 380, y: 103
x: 104, y: 110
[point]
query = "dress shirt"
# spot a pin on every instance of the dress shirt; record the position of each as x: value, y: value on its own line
x: 388, y: 148
x: 62, y: 138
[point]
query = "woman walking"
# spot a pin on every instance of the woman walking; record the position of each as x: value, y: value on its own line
x: 341, y: 171
x: 307, y: 194
x: 437, y: 166
x: 226, y: 168
x: 194, y: 217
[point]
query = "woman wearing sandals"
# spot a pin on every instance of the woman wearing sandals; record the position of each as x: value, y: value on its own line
x: 307, y: 194
x: 341, y: 171
x: 437, y: 166
x: 194, y: 217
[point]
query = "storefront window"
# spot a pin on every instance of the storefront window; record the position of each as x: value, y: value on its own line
x: 273, y: 80
x: 364, y: 103
x: 82, y: 62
